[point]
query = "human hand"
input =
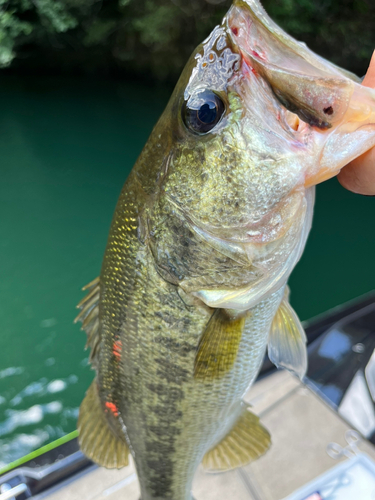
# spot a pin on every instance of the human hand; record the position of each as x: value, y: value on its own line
x: 359, y: 175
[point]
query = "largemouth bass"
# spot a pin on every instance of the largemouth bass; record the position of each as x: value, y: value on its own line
x: 209, y: 225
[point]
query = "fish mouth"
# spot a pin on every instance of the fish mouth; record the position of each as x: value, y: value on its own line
x: 325, y: 108
x: 304, y: 83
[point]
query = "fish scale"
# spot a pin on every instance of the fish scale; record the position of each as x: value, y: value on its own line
x: 153, y: 386
x: 196, y: 426
x: 209, y: 225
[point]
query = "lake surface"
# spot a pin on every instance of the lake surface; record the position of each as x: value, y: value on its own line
x: 66, y: 148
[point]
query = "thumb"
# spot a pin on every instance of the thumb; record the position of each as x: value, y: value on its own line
x: 359, y: 175
x: 369, y: 79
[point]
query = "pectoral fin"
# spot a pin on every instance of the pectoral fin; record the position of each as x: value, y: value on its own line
x: 247, y: 441
x: 217, y: 349
x: 96, y: 438
x: 287, y: 341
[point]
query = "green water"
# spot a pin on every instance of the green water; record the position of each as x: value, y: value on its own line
x: 66, y: 148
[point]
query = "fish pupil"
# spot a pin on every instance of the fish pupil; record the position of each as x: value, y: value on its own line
x: 207, y: 113
x: 204, y: 114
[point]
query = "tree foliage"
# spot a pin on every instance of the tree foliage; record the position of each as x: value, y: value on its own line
x: 157, y: 36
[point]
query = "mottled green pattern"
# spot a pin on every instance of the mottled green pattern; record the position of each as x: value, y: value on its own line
x: 171, y: 418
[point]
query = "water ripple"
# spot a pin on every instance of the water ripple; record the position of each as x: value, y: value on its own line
x: 33, y: 415
x: 43, y: 387
x: 21, y: 445
x: 12, y: 370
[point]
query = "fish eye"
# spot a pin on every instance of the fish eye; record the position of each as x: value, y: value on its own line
x: 203, y: 112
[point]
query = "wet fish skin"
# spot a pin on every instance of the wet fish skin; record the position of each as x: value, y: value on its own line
x: 205, y: 234
x: 171, y: 418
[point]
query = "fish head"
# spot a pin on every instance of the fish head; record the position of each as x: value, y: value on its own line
x: 256, y: 120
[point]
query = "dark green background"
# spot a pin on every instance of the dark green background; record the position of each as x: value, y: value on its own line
x: 66, y: 148
x: 154, y: 38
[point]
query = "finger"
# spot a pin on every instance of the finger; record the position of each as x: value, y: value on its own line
x: 369, y: 79
x: 359, y: 175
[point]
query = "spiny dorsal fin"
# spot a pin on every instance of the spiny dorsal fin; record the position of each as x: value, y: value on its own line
x: 217, y: 349
x: 89, y: 316
x: 287, y: 340
x: 96, y: 439
x: 245, y: 442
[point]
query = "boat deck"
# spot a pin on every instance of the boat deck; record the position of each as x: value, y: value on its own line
x: 301, y: 426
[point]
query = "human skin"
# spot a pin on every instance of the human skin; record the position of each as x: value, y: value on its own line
x: 359, y: 175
